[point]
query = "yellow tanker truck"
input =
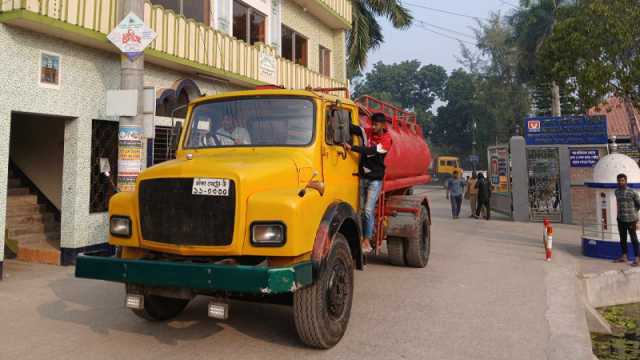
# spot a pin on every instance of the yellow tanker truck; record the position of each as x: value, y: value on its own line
x: 261, y: 201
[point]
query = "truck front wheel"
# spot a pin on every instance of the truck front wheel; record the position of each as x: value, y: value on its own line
x: 321, y: 311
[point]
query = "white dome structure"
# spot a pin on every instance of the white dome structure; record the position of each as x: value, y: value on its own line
x: 608, y: 168
x: 601, y: 240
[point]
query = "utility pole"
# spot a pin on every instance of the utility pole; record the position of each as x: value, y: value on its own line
x: 555, y: 99
x: 131, y: 152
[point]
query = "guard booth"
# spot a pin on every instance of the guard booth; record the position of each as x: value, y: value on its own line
x: 550, y: 164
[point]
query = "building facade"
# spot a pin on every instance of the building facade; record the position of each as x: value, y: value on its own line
x: 57, y: 66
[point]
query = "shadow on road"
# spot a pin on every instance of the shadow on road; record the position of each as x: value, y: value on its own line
x: 99, y: 306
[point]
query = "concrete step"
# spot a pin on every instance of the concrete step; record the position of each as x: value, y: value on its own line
x: 19, y: 191
x: 35, y: 228
x: 26, y: 210
x: 18, y: 220
x: 21, y: 199
x: 42, y: 252
x: 35, y: 238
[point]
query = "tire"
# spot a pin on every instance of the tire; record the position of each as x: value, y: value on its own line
x: 161, y: 308
x: 395, y: 251
x: 321, y: 311
x: 418, y: 247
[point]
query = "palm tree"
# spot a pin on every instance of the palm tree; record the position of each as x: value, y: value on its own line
x: 533, y: 23
x: 366, y: 33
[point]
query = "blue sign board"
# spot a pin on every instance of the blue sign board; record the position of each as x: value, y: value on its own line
x: 566, y: 130
x: 584, y: 158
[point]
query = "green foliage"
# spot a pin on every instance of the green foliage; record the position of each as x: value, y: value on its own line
x: 408, y: 85
x: 594, y: 49
x: 366, y: 33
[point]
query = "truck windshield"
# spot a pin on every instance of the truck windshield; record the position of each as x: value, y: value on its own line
x: 263, y: 121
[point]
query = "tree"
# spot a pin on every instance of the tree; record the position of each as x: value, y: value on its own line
x: 366, y: 33
x: 532, y: 24
x: 453, y: 127
x: 408, y: 85
x: 595, y: 49
x: 502, y: 100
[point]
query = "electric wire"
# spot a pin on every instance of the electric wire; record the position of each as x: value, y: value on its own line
x: 445, y: 11
x: 422, y: 22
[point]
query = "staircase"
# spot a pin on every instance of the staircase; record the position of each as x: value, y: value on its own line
x: 32, y: 232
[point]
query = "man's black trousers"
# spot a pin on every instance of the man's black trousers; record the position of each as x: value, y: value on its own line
x: 630, y: 227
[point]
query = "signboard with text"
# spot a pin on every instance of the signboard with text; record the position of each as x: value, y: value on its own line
x: 584, y: 157
x: 566, y: 130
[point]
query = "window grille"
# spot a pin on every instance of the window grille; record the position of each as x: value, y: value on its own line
x: 104, y: 144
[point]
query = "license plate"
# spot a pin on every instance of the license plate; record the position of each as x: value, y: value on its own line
x: 210, y: 187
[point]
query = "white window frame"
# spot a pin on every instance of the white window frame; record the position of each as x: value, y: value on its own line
x: 40, y: 63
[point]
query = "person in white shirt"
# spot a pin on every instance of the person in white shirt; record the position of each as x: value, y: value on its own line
x: 230, y: 134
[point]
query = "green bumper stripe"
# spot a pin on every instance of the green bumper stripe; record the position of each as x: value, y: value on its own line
x: 233, y: 278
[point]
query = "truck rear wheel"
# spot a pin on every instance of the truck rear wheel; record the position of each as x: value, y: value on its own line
x: 395, y: 251
x: 321, y: 311
x: 160, y: 308
x: 418, y: 246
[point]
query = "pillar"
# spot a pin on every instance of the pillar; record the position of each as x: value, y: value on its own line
x: 519, y: 179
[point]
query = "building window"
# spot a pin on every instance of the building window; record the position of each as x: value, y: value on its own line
x: 104, y: 148
x: 248, y: 24
x: 324, y: 61
x: 50, y: 70
x: 294, y: 46
x: 191, y: 9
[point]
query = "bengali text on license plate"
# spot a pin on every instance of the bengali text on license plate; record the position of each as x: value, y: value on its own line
x: 210, y: 187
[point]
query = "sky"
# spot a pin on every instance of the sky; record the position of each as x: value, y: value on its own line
x: 428, y: 47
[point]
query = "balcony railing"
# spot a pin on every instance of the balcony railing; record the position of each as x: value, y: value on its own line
x: 184, y: 41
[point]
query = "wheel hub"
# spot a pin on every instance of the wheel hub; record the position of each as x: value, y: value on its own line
x: 337, y: 291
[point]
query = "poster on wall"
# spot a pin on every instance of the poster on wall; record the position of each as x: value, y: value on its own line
x: 499, y: 174
x: 129, y: 156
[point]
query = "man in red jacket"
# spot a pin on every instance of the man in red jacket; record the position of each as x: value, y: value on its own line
x: 375, y: 146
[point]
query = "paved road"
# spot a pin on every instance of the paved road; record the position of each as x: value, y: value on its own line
x: 483, y: 296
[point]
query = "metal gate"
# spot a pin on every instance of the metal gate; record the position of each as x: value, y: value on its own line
x: 545, y: 200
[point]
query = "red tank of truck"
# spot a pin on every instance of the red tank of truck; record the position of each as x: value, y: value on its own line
x: 408, y: 161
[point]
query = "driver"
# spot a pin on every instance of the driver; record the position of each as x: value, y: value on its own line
x: 230, y: 134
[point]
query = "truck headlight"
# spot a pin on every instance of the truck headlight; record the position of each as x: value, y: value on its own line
x: 268, y: 234
x: 120, y: 226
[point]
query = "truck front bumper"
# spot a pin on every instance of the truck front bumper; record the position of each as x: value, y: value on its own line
x: 232, y: 278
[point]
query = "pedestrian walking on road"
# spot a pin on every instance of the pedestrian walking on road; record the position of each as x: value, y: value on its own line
x: 472, y: 193
x: 628, y: 203
x: 483, y: 186
x: 455, y: 190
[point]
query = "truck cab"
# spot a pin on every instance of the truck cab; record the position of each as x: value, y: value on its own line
x: 261, y: 200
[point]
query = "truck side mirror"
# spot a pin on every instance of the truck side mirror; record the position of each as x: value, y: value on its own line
x: 338, y: 126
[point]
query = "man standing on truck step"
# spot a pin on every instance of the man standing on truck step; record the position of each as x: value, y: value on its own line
x: 455, y: 189
x: 376, y: 144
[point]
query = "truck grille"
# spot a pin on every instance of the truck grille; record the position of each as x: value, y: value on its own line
x: 170, y: 214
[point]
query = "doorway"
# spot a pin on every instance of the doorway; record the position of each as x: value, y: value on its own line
x: 34, y: 195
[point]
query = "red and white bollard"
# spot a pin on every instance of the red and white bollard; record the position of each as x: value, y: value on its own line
x: 547, y: 237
